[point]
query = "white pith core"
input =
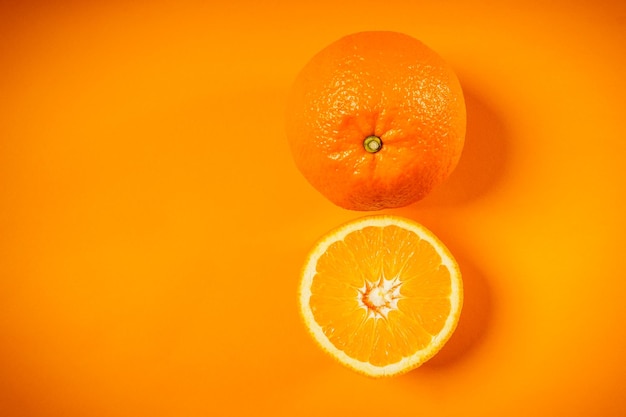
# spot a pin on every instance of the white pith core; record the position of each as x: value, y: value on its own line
x: 380, y: 297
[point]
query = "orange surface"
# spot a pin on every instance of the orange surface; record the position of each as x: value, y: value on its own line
x: 380, y: 88
x: 153, y: 224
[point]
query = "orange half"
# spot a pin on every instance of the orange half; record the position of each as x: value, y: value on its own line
x: 381, y: 294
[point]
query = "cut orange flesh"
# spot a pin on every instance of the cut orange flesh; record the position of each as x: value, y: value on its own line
x: 381, y: 295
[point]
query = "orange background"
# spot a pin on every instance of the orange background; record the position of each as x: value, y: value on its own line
x: 153, y: 225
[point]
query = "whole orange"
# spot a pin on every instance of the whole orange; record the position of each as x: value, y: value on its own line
x: 376, y: 120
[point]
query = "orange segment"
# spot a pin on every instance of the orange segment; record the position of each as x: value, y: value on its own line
x: 381, y: 295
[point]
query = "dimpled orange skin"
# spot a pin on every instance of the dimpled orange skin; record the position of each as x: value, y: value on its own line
x: 379, y: 83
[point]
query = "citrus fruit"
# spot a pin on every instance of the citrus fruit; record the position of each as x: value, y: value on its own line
x: 381, y: 294
x: 376, y: 120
